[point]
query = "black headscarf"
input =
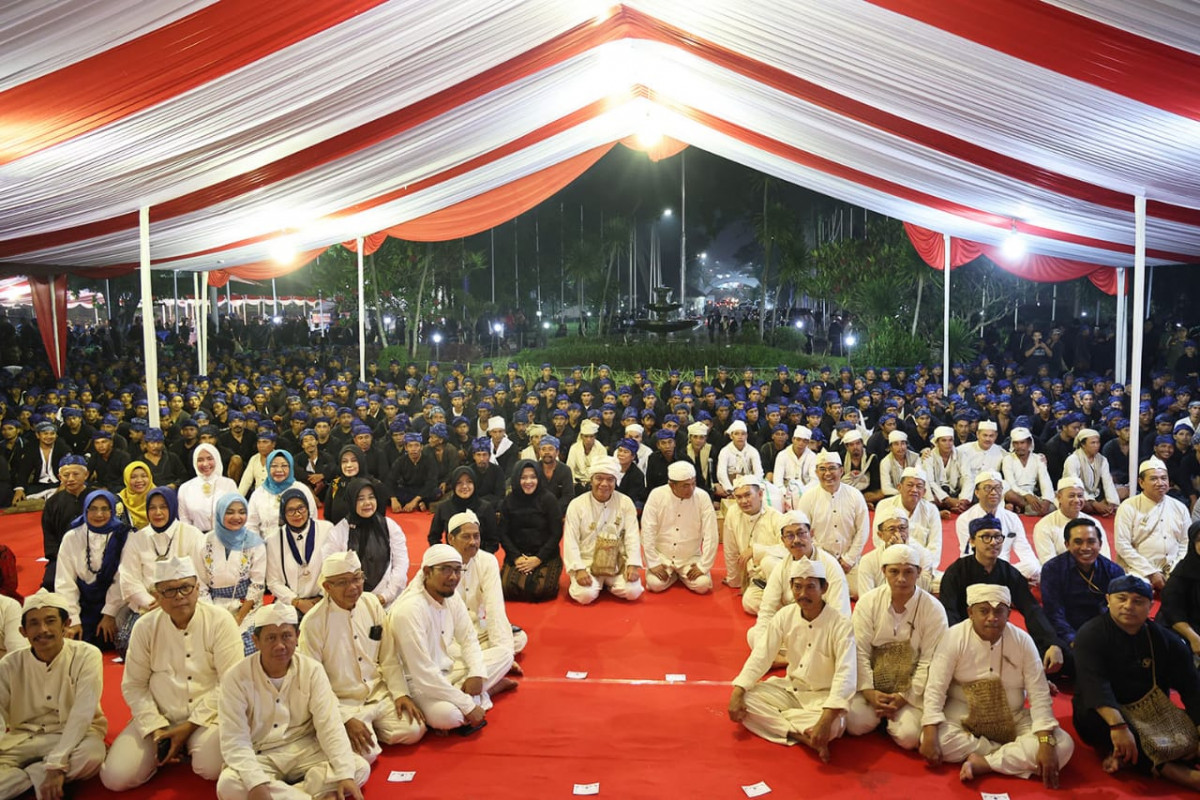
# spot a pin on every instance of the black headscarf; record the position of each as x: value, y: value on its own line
x: 369, y: 536
x: 517, y: 496
x: 457, y: 503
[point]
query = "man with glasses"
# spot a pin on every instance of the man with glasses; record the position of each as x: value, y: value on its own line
x: 985, y: 566
x: 679, y: 533
x: 989, y: 491
x: 346, y: 633
x: 176, y: 657
x: 892, y: 530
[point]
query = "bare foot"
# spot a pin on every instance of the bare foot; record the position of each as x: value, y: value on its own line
x: 1053, y: 687
x: 515, y: 669
x: 823, y: 754
x: 973, y: 767
x: 503, y: 685
x: 1111, y: 763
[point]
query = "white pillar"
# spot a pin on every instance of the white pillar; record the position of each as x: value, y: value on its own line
x: 1139, y: 321
x: 197, y: 318
x: 1121, y: 366
x: 683, y: 236
x: 946, y: 314
x: 149, y: 340
x: 362, y: 313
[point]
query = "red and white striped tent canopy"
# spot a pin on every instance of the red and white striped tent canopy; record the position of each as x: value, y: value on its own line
x: 239, y: 122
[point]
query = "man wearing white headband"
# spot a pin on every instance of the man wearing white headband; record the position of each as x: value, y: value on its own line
x: 897, y: 625
x: 50, y: 703
x: 924, y: 519
x: 177, y: 655
x: 981, y: 455
x: 439, y: 647
x: 989, y: 491
x: 346, y: 633
x: 1048, y: 532
x: 1090, y: 466
x: 840, y: 521
x: 1028, y: 487
x: 795, y: 466
x: 810, y: 704
x: 1150, y: 531
x: 944, y: 468
x: 282, y: 732
x: 679, y: 533
x: 735, y: 459
x: 699, y: 452
x: 583, y: 453
x: 983, y: 673
x: 892, y: 529
x: 860, y: 469
x: 602, y: 547
x: 752, y: 543
x: 893, y: 465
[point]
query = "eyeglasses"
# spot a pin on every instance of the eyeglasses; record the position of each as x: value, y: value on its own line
x: 449, y: 569
x: 178, y: 591
x: 988, y: 489
x: 792, y: 537
x: 354, y: 580
x: 990, y: 537
x: 297, y: 511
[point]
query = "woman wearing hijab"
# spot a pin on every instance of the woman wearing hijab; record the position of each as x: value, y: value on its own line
x: 198, y: 496
x: 294, y: 551
x: 350, y: 465
x: 462, y: 497
x: 530, y: 529
x: 231, y: 564
x: 1181, y: 596
x: 88, y: 560
x: 264, y: 503
x: 378, y: 541
x: 138, y: 481
x: 163, y: 537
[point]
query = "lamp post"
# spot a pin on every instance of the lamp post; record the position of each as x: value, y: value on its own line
x: 498, y: 329
x: 436, y: 338
x: 850, y: 340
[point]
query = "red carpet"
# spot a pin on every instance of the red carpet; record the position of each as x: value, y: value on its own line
x: 624, y: 726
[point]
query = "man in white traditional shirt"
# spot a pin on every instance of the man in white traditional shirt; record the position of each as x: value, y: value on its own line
x: 601, y: 544
x: 10, y: 626
x: 679, y: 533
x: 584, y: 453
x: 840, y: 520
x: 795, y: 466
x: 891, y: 530
x: 898, y: 459
x: 346, y: 632
x: 981, y: 455
x: 981, y: 676
x: 483, y: 593
x: 176, y: 657
x: 699, y: 452
x: 897, y: 627
x: 1048, y: 532
x: 281, y: 731
x: 1091, y: 468
x: 1029, y: 489
x: 944, y: 468
x: 439, y: 647
x: 51, y: 725
x: 752, y: 543
x: 735, y: 459
x: 989, y: 490
x: 1150, y: 530
x: 810, y: 704
x: 924, y: 519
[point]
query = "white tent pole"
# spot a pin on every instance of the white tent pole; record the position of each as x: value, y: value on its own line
x: 1121, y: 373
x: 683, y: 236
x: 1139, y: 322
x: 946, y: 314
x: 196, y: 323
x: 175, y: 308
x: 362, y: 314
x: 56, y: 357
x: 149, y: 340
x: 274, y: 300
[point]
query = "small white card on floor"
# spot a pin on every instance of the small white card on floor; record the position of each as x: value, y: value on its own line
x: 676, y: 677
x: 118, y: 660
x: 987, y: 796
x: 43, y: 560
x: 757, y: 790
x: 576, y: 676
x: 587, y: 788
x: 398, y: 776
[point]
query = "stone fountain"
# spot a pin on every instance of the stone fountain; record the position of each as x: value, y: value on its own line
x: 661, y: 308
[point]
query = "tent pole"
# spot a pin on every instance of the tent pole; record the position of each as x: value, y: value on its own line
x: 107, y: 300
x: 1054, y: 304
x: 1119, y: 370
x: 1139, y: 322
x: 175, y: 308
x: 196, y: 322
x: 683, y: 237
x: 362, y: 314
x: 57, y: 365
x: 274, y: 300
x: 149, y: 340
x: 946, y: 314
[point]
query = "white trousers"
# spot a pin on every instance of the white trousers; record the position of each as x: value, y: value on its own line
x: 776, y: 708
x: 585, y: 595
x: 22, y: 768
x: 132, y: 760
x: 444, y: 715
x: 905, y: 729
x: 300, y: 769
x: 701, y: 585
x: 1018, y: 757
x: 387, y: 726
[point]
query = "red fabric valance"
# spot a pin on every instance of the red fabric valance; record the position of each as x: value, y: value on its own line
x: 262, y: 270
x: 49, y: 296
x: 1032, y: 266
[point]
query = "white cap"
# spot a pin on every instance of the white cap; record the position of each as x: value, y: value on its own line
x: 737, y: 425
x: 852, y: 436
x: 987, y: 425
x: 460, y: 519
x: 1069, y: 482
x: 680, y: 471
x: 897, y: 512
x: 174, y: 569
x: 988, y: 475
x: 748, y: 480
x: 43, y: 599
x: 914, y: 472
x: 340, y: 564
x: 801, y: 432
x: 495, y: 423
x: 635, y: 428
x: 588, y: 428
x: 795, y: 517
x: 897, y: 436
x: 605, y: 466
x: 536, y: 429
x: 276, y: 614
x: 440, y: 554
x: 942, y: 431
x: 1151, y: 463
x: 828, y: 457
x: 900, y: 554
x: 988, y: 593
x: 1020, y: 434
x: 806, y: 568
x: 697, y: 429
x: 1084, y: 434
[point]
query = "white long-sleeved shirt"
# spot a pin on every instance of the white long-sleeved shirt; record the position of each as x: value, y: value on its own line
x: 424, y: 630
x: 60, y: 697
x: 924, y: 524
x: 732, y: 463
x: 746, y: 532
x: 891, y: 471
x: 586, y: 518
x: 482, y: 592
x: 172, y: 675
x: 73, y: 563
x: 340, y: 641
x: 218, y: 569
x: 10, y: 626
x: 877, y: 623
x: 286, y: 576
x: 841, y: 523
x: 821, y: 655
x: 257, y: 719
x: 778, y: 593
x: 262, y: 514
x: 962, y: 657
x: 197, y: 506
x: 1048, y: 535
x: 1095, y: 474
x: 1016, y: 542
x: 870, y: 568
x: 678, y: 532
x: 254, y: 474
x: 141, y: 553
x: 973, y: 459
x: 580, y: 462
x: 1150, y: 537
x: 1030, y: 477
x: 395, y: 578
x: 943, y: 473
x: 794, y: 472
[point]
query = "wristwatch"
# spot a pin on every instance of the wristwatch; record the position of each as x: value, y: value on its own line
x: 1046, y: 738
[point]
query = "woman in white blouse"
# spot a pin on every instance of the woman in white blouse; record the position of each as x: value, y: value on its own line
x: 264, y: 503
x: 379, y: 542
x: 294, y: 551
x: 231, y: 565
x: 198, y: 496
